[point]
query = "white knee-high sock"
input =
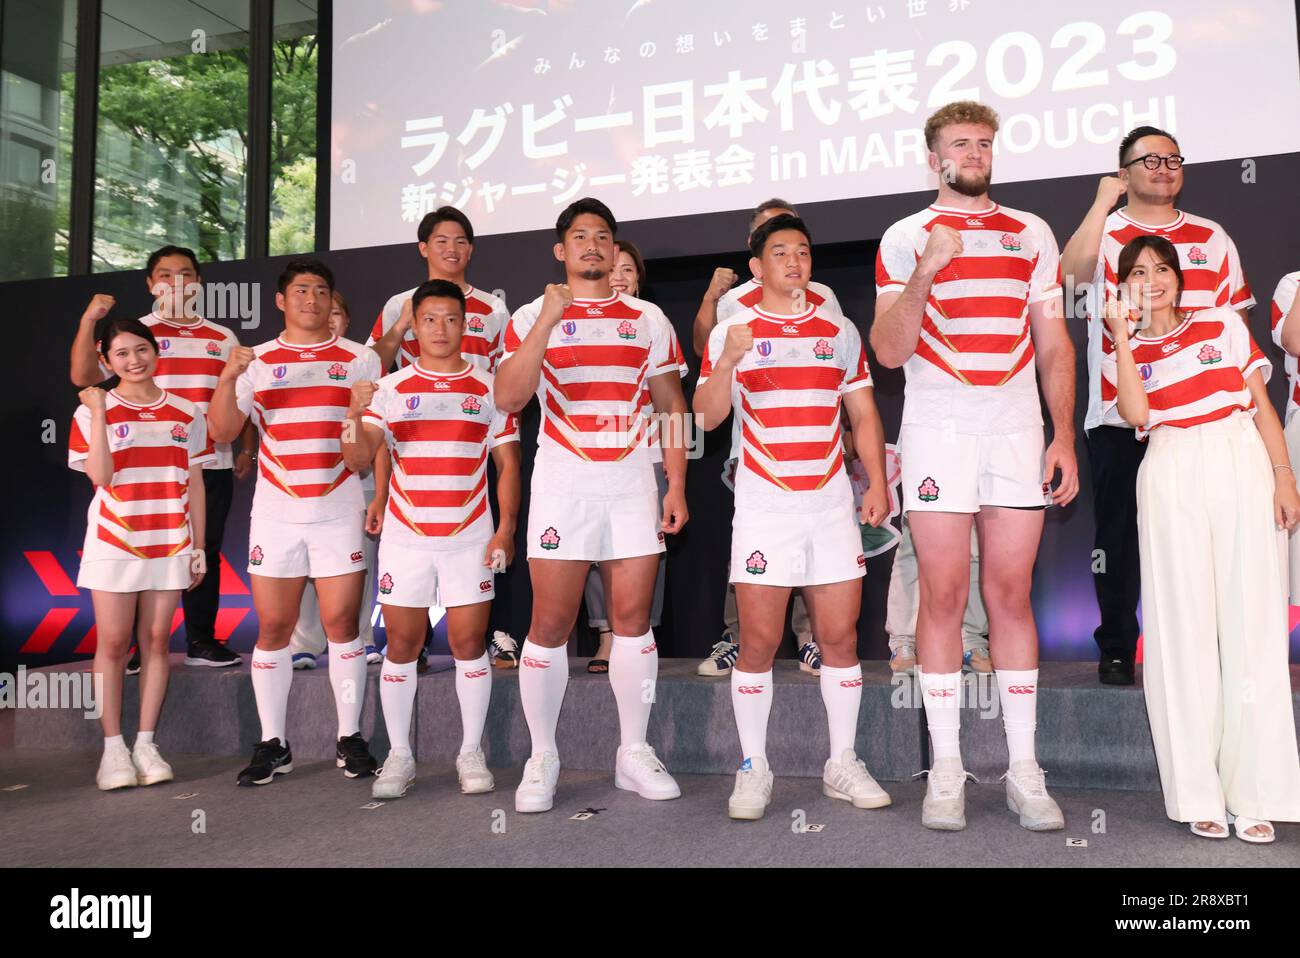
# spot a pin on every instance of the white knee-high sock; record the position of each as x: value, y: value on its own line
x: 1018, y: 692
x: 842, y: 696
x: 473, y: 691
x: 751, y: 700
x: 543, y: 677
x: 348, y: 678
x: 272, y: 676
x: 397, y: 698
x: 941, y: 692
x: 633, y: 671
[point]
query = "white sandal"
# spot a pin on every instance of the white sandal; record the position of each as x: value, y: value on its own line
x: 1242, y: 826
x: 1222, y: 833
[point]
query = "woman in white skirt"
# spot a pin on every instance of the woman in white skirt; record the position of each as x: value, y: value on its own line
x: 144, y: 449
x: 1213, y: 492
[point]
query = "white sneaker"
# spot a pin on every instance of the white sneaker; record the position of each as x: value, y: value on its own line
x: 903, y: 660
x: 536, y: 791
x: 753, y: 791
x: 395, y: 777
x: 720, y: 660
x: 977, y: 660
x: 1027, y: 796
x: 116, y: 770
x: 638, y: 769
x: 472, y: 771
x: 944, y: 807
x: 150, y: 768
x: 849, y: 781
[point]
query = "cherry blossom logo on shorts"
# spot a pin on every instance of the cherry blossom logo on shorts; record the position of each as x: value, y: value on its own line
x: 1010, y: 242
x: 550, y: 538
x: 471, y: 406
x: 179, y: 434
x: 764, y: 348
x: 569, y: 327
x: 822, y: 350
x: 122, y: 431
x: 928, y: 490
x: 1196, y: 256
x: 412, y: 402
x: 756, y: 564
x: 337, y: 371
x: 255, y: 556
x: 485, y: 585
x: 386, y: 584
x: 474, y: 325
x: 212, y: 349
x: 626, y: 330
x: 1209, y: 355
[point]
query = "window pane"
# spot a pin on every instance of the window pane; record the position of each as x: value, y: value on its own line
x: 173, y: 123
x: 36, y: 84
x: 293, y: 128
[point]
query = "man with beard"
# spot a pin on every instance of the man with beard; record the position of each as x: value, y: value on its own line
x: 1151, y: 173
x: 968, y: 300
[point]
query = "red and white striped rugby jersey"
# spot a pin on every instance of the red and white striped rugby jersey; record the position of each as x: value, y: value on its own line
x: 485, y: 319
x: 647, y: 402
x: 786, y: 396
x: 750, y: 293
x: 144, y: 511
x: 439, y: 429
x: 298, y: 397
x: 191, y: 355
x: 1283, y: 299
x: 973, y: 368
x: 1193, y: 374
x: 597, y: 364
x: 1212, y: 276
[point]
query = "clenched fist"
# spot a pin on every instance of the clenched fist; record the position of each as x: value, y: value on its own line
x: 555, y: 300
x: 740, y: 340
x: 723, y: 280
x: 240, y: 357
x: 943, y: 246
x: 363, y: 392
x: 407, y: 317
x: 99, y: 306
x: 1109, y: 190
x: 92, y: 397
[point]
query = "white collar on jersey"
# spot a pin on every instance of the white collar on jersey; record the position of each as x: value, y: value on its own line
x: 786, y: 317
x: 1172, y: 224
x: 597, y: 302
x: 952, y: 209
x: 162, y: 398
x: 305, y: 347
x: 429, y: 374
x: 199, y: 321
x: 1173, y: 332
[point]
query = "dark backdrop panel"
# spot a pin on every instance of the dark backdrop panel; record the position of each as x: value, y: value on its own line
x: 43, y: 620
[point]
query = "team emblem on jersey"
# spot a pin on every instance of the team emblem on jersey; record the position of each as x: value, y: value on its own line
x: 179, y: 434
x: 822, y: 350
x: 337, y: 371
x: 1010, y: 242
x: 485, y: 585
x: 255, y: 557
x: 756, y: 564
x: 212, y: 349
x: 279, y: 372
x: 790, y: 330
x: 928, y: 490
x: 550, y: 538
x: 441, y: 385
x: 386, y: 584
x: 764, y: 348
x: 122, y: 431
x: 974, y: 222
x: 626, y: 330
x: 1196, y: 256
x: 307, y: 355
x: 146, y: 414
x: 569, y: 327
x: 1209, y: 355
x: 471, y: 406
x: 474, y: 324
x: 412, y: 402
x: 164, y: 345
x: 1145, y: 371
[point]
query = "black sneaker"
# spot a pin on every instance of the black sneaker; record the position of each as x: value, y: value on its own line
x: 422, y: 662
x: 133, y: 663
x: 354, y: 757
x: 269, y: 760
x: 211, y: 653
x: 1115, y: 670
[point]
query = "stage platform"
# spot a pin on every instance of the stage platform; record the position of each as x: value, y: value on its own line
x: 1089, y: 735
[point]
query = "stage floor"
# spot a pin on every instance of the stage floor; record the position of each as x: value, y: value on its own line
x: 316, y: 817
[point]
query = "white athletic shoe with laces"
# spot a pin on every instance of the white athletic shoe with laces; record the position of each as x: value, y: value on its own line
x: 116, y: 770
x: 536, y: 791
x: 395, y: 777
x: 849, y: 781
x: 638, y: 769
x: 1027, y: 796
x: 944, y: 806
x: 150, y: 767
x: 472, y: 771
x: 753, y: 791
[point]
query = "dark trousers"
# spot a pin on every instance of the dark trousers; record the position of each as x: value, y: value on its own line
x: 201, y: 605
x: 1115, y: 455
